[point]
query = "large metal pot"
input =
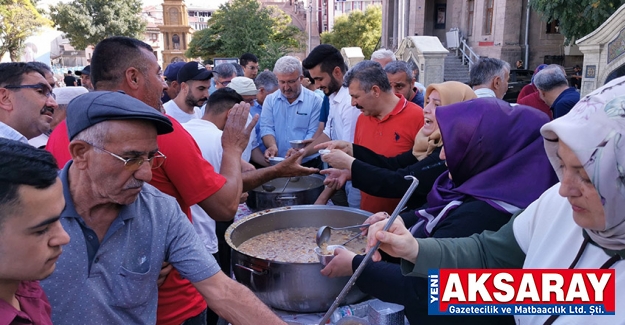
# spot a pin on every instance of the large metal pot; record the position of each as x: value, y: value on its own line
x: 297, y: 287
x: 299, y: 191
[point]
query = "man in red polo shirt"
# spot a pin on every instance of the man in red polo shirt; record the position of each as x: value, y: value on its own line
x: 388, y: 124
x: 31, y: 236
x: 185, y: 175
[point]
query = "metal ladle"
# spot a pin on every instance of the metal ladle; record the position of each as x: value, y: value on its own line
x: 324, y: 232
x: 361, y: 267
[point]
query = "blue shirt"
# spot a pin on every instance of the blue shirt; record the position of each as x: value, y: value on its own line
x: 325, y: 109
x: 257, y: 109
x: 565, y: 101
x: 114, y: 281
x: 290, y: 121
x: 418, y: 97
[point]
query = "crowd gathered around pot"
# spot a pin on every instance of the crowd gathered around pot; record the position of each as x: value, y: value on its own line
x: 116, y: 196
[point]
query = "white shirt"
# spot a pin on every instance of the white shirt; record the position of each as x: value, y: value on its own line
x: 484, y: 93
x: 10, y: 133
x: 550, y: 238
x: 342, y: 117
x: 39, y: 141
x: 208, y: 138
x: 172, y: 109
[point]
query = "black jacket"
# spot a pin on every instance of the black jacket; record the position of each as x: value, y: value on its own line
x: 384, y: 177
x: 384, y: 280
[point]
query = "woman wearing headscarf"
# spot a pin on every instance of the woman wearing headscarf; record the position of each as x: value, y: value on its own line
x: 497, y: 167
x: 578, y: 223
x: 384, y: 176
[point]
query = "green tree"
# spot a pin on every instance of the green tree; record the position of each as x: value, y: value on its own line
x: 87, y: 22
x: 19, y: 19
x: 576, y: 18
x: 356, y: 29
x: 243, y: 26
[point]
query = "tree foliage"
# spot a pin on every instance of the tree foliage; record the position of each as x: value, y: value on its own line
x: 87, y: 22
x: 243, y: 26
x: 576, y: 18
x: 359, y: 28
x: 19, y: 19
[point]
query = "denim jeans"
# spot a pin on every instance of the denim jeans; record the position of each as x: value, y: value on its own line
x: 196, y: 320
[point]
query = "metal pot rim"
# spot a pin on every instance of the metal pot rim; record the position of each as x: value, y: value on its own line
x: 269, y: 211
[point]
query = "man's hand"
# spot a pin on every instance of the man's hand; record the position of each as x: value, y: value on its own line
x: 236, y: 134
x: 162, y: 275
x: 340, y: 265
x: 290, y: 167
x: 344, y: 146
x: 338, y: 159
x: 397, y: 241
x: 336, y: 178
x: 292, y: 151
x: 271, y: 151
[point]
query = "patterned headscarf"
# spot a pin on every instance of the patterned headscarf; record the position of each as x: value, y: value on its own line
x: 595, y: 130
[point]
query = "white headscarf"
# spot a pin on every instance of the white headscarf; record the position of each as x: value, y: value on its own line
x: 595, y: 130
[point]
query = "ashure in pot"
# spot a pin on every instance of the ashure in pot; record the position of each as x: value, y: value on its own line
x: 297, y: 287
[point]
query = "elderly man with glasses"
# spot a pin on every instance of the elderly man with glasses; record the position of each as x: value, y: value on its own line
x: 224, y: 73
x: 123, y: 229
x: 26, y: 101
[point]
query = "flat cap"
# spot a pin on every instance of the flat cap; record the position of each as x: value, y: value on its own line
x: 98, y: 106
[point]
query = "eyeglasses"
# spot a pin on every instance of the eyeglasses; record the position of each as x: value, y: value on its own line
x: 133, y: 164
x: 223, y: 83
x: 40, y: 87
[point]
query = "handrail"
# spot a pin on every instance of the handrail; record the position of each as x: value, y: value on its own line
x: 468, y: 56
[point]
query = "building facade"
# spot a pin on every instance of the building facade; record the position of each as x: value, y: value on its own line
x: 504, y: 29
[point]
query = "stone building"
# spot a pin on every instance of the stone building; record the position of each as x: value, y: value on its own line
x: 503, y: 29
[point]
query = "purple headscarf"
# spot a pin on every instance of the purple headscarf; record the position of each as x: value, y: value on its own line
x: 494, y: 153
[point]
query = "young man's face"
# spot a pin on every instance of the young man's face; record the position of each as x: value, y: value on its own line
x: 31, y: 236
x: 251, y: 69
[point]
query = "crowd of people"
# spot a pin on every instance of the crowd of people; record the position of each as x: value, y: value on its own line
x: 115, y: 195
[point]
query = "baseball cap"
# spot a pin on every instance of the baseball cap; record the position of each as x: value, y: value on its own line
x: 64, y: 95
x: 243, y: 86
x: 86, y: 70
x: 193, y: 71
x: 99, y: 106
x: 171, y: 72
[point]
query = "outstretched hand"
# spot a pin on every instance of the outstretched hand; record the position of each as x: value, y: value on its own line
x: 338, y: 159
x: 340, y: 265
x: 397, y: 241
x: 291, y: 166
x: 344, y: 146
x: 236, y: 134
x: 336, y: 178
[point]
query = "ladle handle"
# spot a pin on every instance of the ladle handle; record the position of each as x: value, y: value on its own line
x: 366, y: 225
x: 361, y: 267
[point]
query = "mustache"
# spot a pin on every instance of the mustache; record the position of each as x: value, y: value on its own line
x: 359, y: 107
x: 133, y: 184
x: 47, y: 109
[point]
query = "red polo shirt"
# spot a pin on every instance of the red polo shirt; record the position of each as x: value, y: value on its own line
x: 390, y: 136
x: 34, y: 305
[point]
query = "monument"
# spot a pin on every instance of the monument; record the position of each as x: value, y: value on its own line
x: 176, y: 31
x: 604, y: 52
